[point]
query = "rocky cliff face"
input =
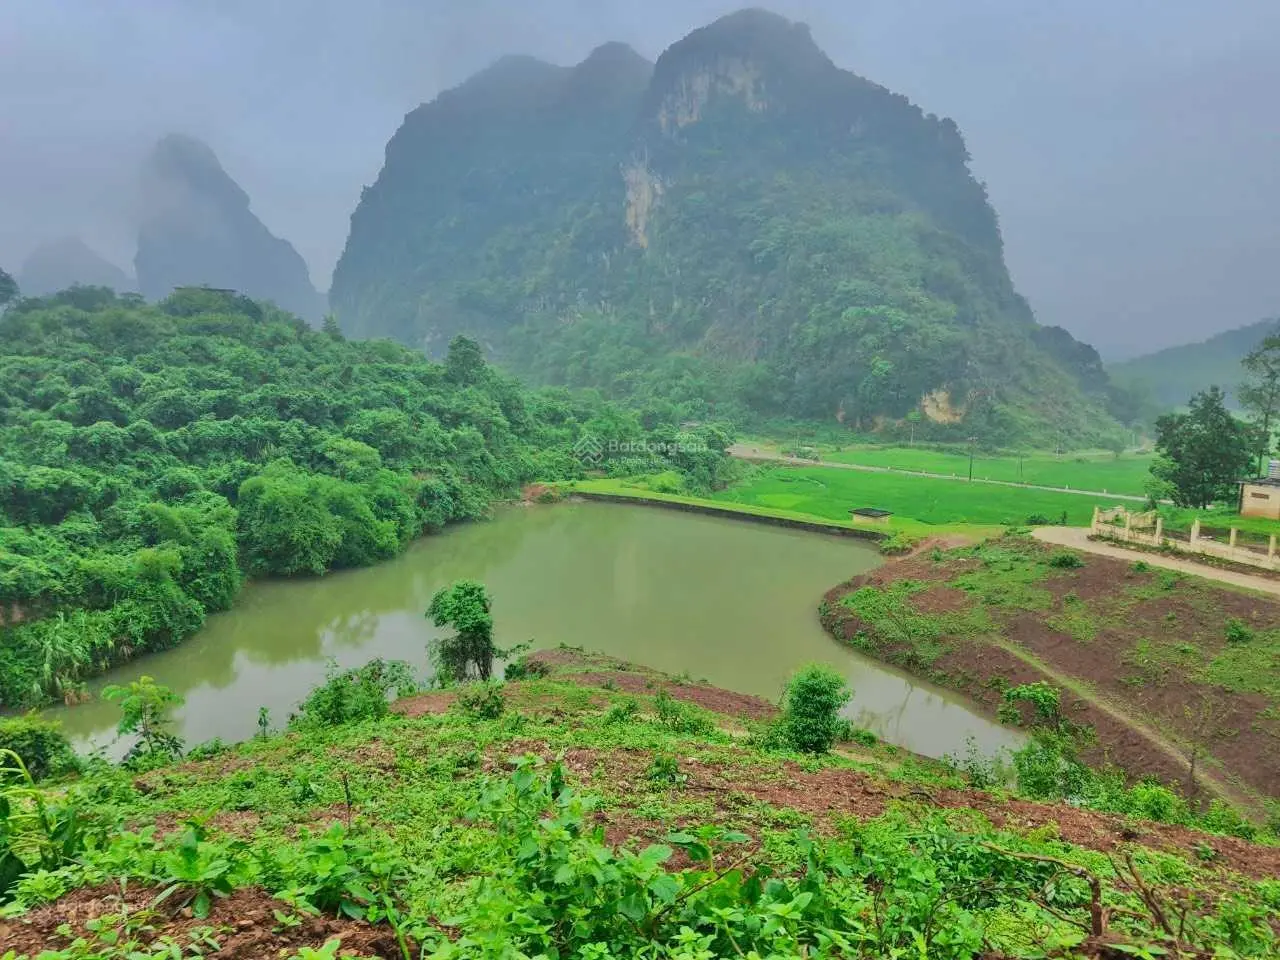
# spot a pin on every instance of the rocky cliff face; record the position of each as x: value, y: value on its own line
x: 67, y: 262
x: 741, y: 223
x: 197, y: 230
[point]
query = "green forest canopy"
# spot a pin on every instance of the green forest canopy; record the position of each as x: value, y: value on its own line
x: 152, y: 456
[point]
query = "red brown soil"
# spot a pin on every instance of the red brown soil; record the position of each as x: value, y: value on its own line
x: 422, y: 704
x: 244, y: 925
x: 1246, y: 741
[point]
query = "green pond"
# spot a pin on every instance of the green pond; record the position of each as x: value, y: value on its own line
x: 731, y: 602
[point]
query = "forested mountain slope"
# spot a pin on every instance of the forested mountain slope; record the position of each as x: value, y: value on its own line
x: 151, y: 457
x: 1171, y: 376
x: 198, y: 230
x: 741, y: 224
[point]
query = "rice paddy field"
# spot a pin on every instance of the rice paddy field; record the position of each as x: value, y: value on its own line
x: 831, y: 492
x: 1099, y: 471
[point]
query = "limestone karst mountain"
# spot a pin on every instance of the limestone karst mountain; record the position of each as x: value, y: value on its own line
x: 198, y: 230
x: 742, y: 225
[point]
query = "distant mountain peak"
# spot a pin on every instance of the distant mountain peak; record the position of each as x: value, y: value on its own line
x: 752, y: 55
x: 197, y: 230
x: 190, y: 162
x: 67, y: 262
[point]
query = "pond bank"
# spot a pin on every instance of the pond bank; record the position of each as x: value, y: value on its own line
x: 1014, y: 612
x: 691, y: 505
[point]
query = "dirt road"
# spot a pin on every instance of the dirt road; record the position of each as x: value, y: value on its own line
x: 1078, y: 539
x: 747, y: 452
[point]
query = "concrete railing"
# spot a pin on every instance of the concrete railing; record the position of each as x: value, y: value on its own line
x: 1125, y: 527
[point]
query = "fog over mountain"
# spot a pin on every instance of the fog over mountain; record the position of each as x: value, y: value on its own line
x: 68, y: 261
x: 1130, y: 150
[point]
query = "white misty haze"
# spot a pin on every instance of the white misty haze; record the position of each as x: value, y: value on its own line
x: 1131, y: 149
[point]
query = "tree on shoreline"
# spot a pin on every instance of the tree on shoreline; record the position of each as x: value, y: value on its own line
x: 465, y: 606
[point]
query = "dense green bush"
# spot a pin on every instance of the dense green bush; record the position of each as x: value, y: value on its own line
x: 39, y: 743
x: 1237, y: 631
x: 526, y: 669
x: 1066, y: 560
x: 811, y: 719
x: 481, y: 701
x: 361, y: 693
x: 153, y: 455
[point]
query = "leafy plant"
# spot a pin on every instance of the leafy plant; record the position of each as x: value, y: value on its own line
x: 36, y: 832
x: 526, y: 669
x: 814, y: 698
x: 144, y: 711
x: 898, y: 543
x: 195, y: 871
x: 680, y: 717
x: 482, y: 701
x: 1237, y: 631
x: 39, y: 743
x: 355, y: 695
x: 665, y: 769
x: 1066, y: 560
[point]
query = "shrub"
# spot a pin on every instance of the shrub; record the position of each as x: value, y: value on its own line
x: 623, y: 711
x: 898, y: 543
x: 812, y: 717
x: 1153, y: 801
x: 1066, y: 560
x: 1038, y: 520
x: 349, y: 696
x: 681, y: 717
x: 1237, y: 631
x: 1044, y: 698
x: 1140, y: 566
x: 482, y: 701
x: 1223, y: 818
x: 1048, y: 768
x: 665, y: 769
x: 39, y: 743
x: 207, y: 749
x: 526, y: 669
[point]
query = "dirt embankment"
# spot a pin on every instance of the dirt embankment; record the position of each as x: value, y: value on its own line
x: 1141, y: 655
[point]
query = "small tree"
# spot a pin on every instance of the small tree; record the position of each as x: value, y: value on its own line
x: 8, y: 289
x: 814, y: 697
x: 144, y: 711
x: 1203, y: 452
x: 464, y: 606
x: 1206, y: 722
x: 1260, y: 393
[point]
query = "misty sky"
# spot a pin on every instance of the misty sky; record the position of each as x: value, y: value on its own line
x: 1132, y: 148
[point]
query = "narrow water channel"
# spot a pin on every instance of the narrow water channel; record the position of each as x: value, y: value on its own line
x: 731, y: 602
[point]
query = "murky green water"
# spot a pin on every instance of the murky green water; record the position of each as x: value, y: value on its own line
x: 729, y: 601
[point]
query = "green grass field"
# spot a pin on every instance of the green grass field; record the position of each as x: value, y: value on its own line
x: 1099, y: 470
x: 830, y: 493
